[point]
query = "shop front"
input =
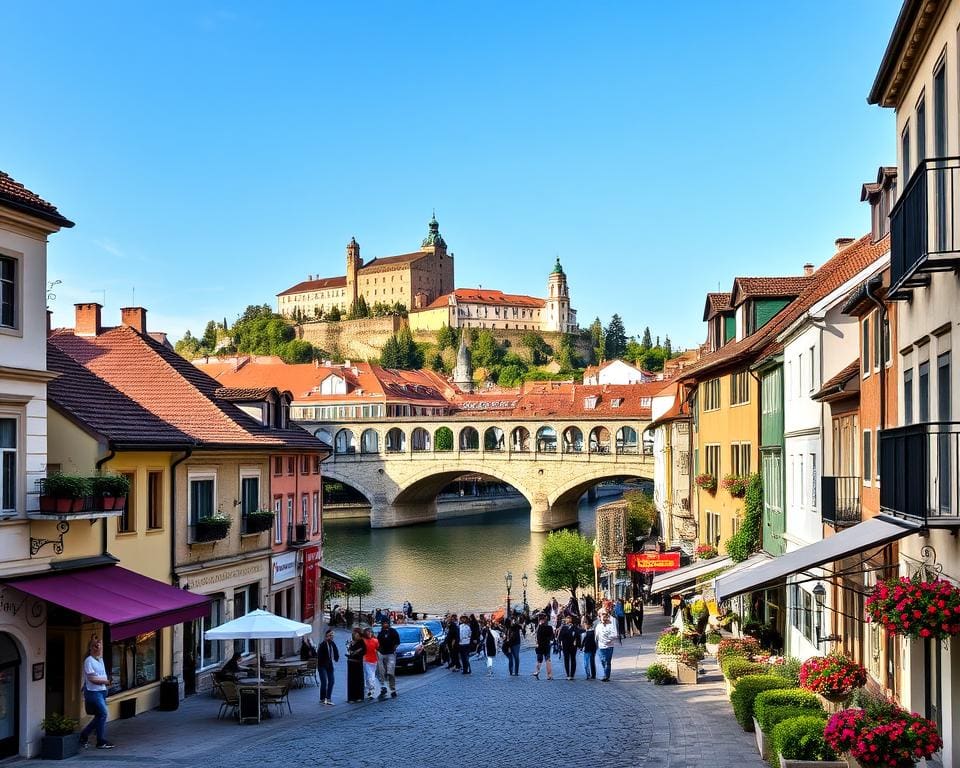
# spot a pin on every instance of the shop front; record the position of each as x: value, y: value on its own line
x: 283, y: 597
x: 310, y: 588
x: 23, y: 680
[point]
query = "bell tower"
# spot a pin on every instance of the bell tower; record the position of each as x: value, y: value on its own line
x: 558, y: 301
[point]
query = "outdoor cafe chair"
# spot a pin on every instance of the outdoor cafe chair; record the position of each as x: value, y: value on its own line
x: 231, y: 698
x: 278, y: 695
x: 307, y: 671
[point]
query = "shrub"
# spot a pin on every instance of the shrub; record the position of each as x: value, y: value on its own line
x: 58, y: 725
x: 714, y: 638
x: 674, y: 644
x: 789, y: 669
x: 746, y: 692
x: 737, y: 646
x: 770, y: 707
x: 110, y: 485
x: 800, y: 738
x: 735, y: 667
x: 659, y: 674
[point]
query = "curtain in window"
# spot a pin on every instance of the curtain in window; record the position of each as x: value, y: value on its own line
x: 201, y: 499
x: 250, y: 494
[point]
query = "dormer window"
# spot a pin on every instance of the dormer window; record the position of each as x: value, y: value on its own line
x: 645, y: 402
x: 616, y: 402
x: 590, y: 402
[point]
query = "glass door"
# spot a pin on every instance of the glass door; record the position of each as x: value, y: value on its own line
x: 9, y: 697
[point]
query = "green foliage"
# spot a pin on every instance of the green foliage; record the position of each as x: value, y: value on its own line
x: 485, y: 351
x: 659, y: 674
x: 539, y: 351
x: 800, y: 738
x: 58, y: 725
x: 447, y: 338
x: 400, y: 351
x: 436, y: 362
x: 563, y: 355
x: 511, y: 375
x: 188, y: 347
x: 667, y: 347
x: 734, y: 668
x: 66, y: 486
x: 361, y: 584
x: 614, y: 339
x: 443, y: 439
x: 743, y: 647
x: 566, y: 562
x: 646, y: 342
x: 714, y: 638
x: 209, y: 339
x: 358, y: 309
x: 296, y: 351
x: 770, y: 707
x: 746, y: 692
x: 641, y: 515
x: 747, y: 539
x: 259, y: 331
x: 334, y: 314
x: 110, y: 485
x: 596, y: 340
x: 788, y: 669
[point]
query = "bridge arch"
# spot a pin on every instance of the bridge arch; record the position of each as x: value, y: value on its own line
x: 469, y: 439
x: 570, y: 492
x: 572, y: 440
x: 424, y: 487
x: 599, y: 440
x: 345, y: 442
x: 546, y: 439
x: 332, y: 472
x: 420, y: 440
x: 493, y: 439
x: 520, y: 440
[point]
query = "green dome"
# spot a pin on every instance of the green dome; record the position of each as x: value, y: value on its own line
x: 557, y: 269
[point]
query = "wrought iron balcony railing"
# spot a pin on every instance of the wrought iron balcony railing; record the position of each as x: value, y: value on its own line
x: 920, y: 473
x: 840, y: 501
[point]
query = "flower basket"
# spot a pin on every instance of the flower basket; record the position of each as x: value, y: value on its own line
x: 835, y: 677
x: 706, y: 552
x: 915, y: 608
x: 256, y: 522
x: 706, y: 481
x: 60, y: 739
x: 63, y: 493
x: 736, y: 485
x: 211, y: 529
x: 892, y: 738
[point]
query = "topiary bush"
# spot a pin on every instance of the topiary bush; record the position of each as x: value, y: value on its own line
x: 800, y: 738
x: 660, y: 675
x: 770, y: 707
x: 745, y: 693
x: 735, y: 667
x: 737, y: 646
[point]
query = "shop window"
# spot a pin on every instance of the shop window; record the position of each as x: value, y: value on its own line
x: 135, y: 662
x: 210, y: 651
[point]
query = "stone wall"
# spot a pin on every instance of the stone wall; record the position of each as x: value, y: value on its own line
x: 354, y: 339
x: 581, y: 345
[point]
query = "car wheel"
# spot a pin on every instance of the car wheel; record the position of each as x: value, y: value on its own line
x: 422, y: 667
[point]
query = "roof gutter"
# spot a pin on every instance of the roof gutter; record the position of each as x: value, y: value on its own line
x: 187, y: 453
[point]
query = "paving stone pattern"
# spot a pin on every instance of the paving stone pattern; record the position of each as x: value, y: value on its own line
x: 447, y: 718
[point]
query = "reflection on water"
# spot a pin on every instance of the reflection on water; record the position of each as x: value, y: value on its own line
x: 449, y: 565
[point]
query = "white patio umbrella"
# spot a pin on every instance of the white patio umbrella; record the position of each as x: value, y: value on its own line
x: 258, y: 625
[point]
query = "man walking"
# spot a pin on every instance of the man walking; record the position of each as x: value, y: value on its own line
x: 544, y: 637
x: 605, y: 633
x: 327, y: 654
x: 389, y: 639
x: 465, y: 649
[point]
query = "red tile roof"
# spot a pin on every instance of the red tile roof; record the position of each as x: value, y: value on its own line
x: 767, y: 287
x: 15, y: 195
x: 129, y: 375
x: 485, y: 296
x: 245, y: 394
x: 836, y: 383
x: 541, y: 399
x: 716, y: 303
x: 316, y: 285
x: 386, y: 261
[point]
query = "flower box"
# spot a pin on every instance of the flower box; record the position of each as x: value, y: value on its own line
x: 59, y: 747
x: 257, y: 522
x: 812, y: 763
x: 686, y: 674
x: 706, y: 481
x: 915, y: 608
x: 736, y: 485
x: 211, y: 529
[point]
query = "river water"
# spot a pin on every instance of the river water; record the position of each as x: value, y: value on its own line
x: 450, y: 565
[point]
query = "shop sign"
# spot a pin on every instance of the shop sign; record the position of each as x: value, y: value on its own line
x: 284, y: 567
x: 311, y: 578
x: 657, y: 562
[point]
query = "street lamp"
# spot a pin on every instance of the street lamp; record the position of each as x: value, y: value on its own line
x: 508, y: 578
x: 524, y: 580
x: 819, y: 594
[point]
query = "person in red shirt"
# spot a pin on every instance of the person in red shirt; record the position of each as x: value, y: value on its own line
x: 370, y: 659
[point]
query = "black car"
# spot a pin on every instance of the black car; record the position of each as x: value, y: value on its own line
x: 418, y: 647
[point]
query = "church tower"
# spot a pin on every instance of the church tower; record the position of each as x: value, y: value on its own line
x: 558, y: 301
x: 441, y: 272
x: 463, y: 371
x: 354, y: 262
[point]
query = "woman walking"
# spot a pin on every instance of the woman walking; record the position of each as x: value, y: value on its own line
x: 453, y: 642
x: 511, y: 646
x: 488, y: 640
x: 355, y: 652
x: 370, y: 661
x: 589, y: 643
x: 569, y: 638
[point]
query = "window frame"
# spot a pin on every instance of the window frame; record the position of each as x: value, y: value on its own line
x: 711, y: 395
x: 17, y: 260
x: 17, y: 484
x: 197, y: 476
x: 739, y: 388
x: 249, y: 473
x: 866, y: 456
x: 278, y: 519
x: 155, y: 501
x: 127, y: 521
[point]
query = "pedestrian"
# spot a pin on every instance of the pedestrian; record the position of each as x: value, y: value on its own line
x: 489, y: 642
x: 307, y: 649
x: 618, y: 614
x: 230, y: 670
x: 355, y: 652
x: 590, y: 605
x: 605, y: 633
x: 511, y: 646
x: 628, y: 617
x: 327, y: 655
x: 464, y: 647
x: 475, y: 635
x: 582, y: 605
x: 389, y: 639
x: 569, y: 638
x: 370, y: 661
x: 588, y: 642
x: 453, y: 643
x: 95, y: 684
x: 544, y: 638
x: 638, y: 614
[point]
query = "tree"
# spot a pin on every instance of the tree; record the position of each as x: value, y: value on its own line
x: 443, y: 439
x: 390, y: 354
x: 667, y: 347
x: 209, y: 339
x: 296, y: 351
x: 485, y: 351
x: 358, y: 309
x: 436, y: 362
x: 511, y: 375
x: 641, y: 515
x: 645, y: 342
x: 566, y: 562
x: 539, y: 351
x: 334, y: 314
x: 596, y: 340
x: 361, y: 585
x: 564, y: 356
x: 188, y: 346
x: 614, y: 339
x: 446, y: 337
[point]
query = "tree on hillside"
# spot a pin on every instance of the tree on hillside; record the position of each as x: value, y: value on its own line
x: 614, y: 339
x: 645, y: 342
x: 564, y: 356
x: 539, y: 351
x: 296, y: 351
x: 667, y: 347
x: 188, y: 347
x: 566, y: 562
x: 358, y: 309
x: 596, y: 340
x: 209, y: 339
x: 334, y: 314
x: 390, y: 354
x: 486, y: 352
x: 446, y: 337
x: 400, y: 351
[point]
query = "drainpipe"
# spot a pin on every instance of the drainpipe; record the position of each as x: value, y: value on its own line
x: 882, y: 319
x: 99, y: 466
x: 187, y: 453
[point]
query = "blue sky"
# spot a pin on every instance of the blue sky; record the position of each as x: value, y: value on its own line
x: 214, y: 154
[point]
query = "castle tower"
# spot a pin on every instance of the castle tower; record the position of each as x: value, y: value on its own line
x: 463, y: 371
x: 354, y: 262
x: 441, y: 280
x: 558, y: 301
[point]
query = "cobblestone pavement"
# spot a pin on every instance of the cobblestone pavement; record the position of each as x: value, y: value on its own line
x: 445, y: 717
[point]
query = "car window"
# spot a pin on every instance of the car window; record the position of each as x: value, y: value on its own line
x: 409, y: 634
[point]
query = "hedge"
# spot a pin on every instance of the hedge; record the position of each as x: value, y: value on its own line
x: 769, y: 707
x: 800, y: 738
x: 743, y: 647
x: 746, y: 691
x: 735, y: 667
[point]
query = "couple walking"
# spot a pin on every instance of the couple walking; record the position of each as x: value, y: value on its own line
x: 371, y: 660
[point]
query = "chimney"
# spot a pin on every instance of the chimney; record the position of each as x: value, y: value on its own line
x: 808, y: 269
x: 843, y: 242
x: 134, y: 317
x: 87, y: 322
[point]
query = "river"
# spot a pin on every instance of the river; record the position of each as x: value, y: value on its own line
x: 449, y: 565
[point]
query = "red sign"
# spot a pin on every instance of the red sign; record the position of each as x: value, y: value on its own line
x: 653, y: 561
x: 311, y: 578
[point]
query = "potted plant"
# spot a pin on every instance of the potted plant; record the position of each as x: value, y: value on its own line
x: 212, y: 528
x: 689, y: 657
x: 63, y: 493
x: 110, y: 491
x: 706, y: 481
x: 60, y: 739
x: 659, y: 674
x: 835, y: 676
x: 713, y: 642
x: 736, y: 484
x: 706, y: 552
x: 798, y: 742
x: 912, y: 607
x: 261, y: 520
x: 886, y: 736
x: 743, y: 695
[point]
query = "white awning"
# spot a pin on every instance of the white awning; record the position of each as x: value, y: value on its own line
x: 871, y: 533
x: 756, y: 559
x: 671, y: 580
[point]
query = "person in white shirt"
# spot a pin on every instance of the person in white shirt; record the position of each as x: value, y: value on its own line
x: 94, y: 686
x: 605, y: 633
x: 465, y: 649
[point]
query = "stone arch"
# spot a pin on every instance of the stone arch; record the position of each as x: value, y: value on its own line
x: 628, y: 442
x: 324, y: 435
x: 520, y: 440
x: 396, y: 441
x: 420, y: 440
x: 443, y: 439
x: 569, y: 492
x: 572, y: 440
x: 345, y: 442
x: 493, y: 439
x: 469, y: 439
x: 370, y: 441
x: 423, y: 487
x: 347, y: 477
x: 599, y: 440
x: 546, y: 439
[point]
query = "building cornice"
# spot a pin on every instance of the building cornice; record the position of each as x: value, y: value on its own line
x: 908, y: 41
x: 27, y: 374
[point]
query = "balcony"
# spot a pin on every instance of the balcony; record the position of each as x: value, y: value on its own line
x: 923, y: 231
x: 919, y: 473
x: 840, y: 501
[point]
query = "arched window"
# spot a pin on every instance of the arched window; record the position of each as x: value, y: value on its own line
x: 627, y: 440
x: 443, y: 439
x: 396, y: 441
x: 546, y: 440
x: 572, y: 440
x: 345, y: 442
x: 469, y: 439
x: 420, y: 440
x: 599, y: 440
x: 493, y: 439
x: 520, y: 440
x: 370, y: 441
x: 324, y: 435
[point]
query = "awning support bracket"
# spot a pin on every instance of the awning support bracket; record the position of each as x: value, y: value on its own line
x: 63, y: 527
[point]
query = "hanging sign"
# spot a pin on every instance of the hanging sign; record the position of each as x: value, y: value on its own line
x: 658, y: 562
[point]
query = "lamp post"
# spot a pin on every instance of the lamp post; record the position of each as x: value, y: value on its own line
x: 524, y: 580
x: 508, y: 578
x: 819, y: 595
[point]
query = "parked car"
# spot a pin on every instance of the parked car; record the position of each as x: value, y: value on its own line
x: 439, y: 631
x: 418, y: 647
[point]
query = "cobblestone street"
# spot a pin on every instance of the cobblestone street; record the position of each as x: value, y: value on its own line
x: 445, y: 717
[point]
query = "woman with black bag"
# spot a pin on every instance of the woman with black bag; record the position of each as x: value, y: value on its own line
x: 511, y: 645
x: 355, y: 652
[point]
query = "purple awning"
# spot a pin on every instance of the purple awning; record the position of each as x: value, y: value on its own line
x: 129, y: 602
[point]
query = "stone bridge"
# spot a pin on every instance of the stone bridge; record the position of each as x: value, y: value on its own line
x: 401, y: 464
